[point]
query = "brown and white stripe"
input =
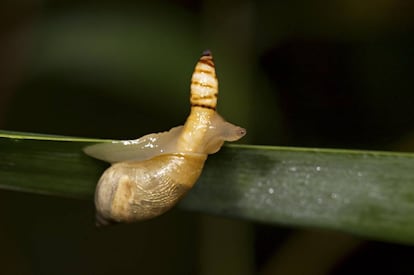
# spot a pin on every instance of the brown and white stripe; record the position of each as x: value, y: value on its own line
x: 204, y: 84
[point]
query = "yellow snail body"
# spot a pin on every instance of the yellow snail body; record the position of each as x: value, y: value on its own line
x: 151, y: 174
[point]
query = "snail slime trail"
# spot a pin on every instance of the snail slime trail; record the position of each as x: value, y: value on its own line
x: 149, y: 175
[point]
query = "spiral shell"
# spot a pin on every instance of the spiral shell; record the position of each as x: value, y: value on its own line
x: 138, y: 192
x: 151, y: 174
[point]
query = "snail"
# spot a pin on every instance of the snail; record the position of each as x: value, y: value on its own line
x: 149, y: 175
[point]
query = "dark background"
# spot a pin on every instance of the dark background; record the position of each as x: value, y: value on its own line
x: 295, y: 73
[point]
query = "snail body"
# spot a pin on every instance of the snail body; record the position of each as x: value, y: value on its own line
x: 149, y: 175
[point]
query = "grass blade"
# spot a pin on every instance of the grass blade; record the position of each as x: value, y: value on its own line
x: 364, y: 192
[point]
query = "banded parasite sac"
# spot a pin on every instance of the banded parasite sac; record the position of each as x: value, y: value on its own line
x: 149, y: 175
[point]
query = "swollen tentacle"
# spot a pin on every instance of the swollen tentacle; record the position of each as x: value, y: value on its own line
x: 203, y: 99
x: 205, y: 130
x: 204, y: 83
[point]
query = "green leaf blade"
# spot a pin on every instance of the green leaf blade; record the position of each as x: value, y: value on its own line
x: 53, y: 167
x: 363, y: 192
x: 367, y: 193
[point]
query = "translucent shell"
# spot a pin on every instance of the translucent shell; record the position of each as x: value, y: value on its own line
x: 149, y: 175
x: 145, y: 189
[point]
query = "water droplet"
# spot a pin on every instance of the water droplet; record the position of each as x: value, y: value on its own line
x: 271, y: 190
x: 318, y: 168
x: 293, y: 169
x: 334, y: 195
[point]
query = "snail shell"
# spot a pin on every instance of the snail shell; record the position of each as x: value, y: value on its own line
x: 142, y: 190
x: 151, y: 174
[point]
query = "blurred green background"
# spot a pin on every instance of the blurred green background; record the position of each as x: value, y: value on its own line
x: 297, y: 73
